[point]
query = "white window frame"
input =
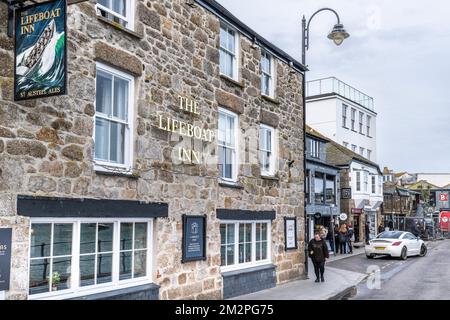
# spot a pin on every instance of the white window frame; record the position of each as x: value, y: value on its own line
x: 76, y: 290
x: 354, y: 148
x: 353, y: 118
x: 361, y: 151
x: 380, y: 186
x: 369, y: 119
x: 234, y: 170
x: 129, y: 18
x: 344, y: 115
x: 235, y: 54
x: 369, y: 153
x: 314, y: 148
x: 358, y: 181
x: 361, y: 122
x: 374, y: 184
x: 271, y: 75
x: 345, y: 144
x: 101, y: 165
x: 253, y: 263
x: 273, y: 159
x: 366, y: 181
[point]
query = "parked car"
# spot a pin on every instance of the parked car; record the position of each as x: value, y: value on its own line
x: 401, y: 244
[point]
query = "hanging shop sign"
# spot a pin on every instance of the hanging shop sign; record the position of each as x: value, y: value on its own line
x: 290, y: 233
x: 343, y: 216
x: 5, y: 257
x: 194, y: 238
x: 40, y: 51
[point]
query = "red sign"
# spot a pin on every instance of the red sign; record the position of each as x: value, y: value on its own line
x: 356, y: 211
x: 443, y: 197
x: 444, y: 220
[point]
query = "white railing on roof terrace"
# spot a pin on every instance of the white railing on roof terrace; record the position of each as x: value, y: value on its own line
x: 334, y: 85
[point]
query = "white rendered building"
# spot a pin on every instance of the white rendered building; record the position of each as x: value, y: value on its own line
x: 343, y: 114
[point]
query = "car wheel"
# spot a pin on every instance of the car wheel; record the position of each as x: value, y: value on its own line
x: 404, y: 254
x: 370, y: 256
x: 423, y: 250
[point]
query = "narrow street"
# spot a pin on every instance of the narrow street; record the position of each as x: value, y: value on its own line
x: 394, y: 279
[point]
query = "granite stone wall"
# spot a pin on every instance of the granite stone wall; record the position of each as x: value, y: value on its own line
x: 46, y: 145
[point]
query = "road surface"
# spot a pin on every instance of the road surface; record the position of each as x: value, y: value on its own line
x: 420, y: 278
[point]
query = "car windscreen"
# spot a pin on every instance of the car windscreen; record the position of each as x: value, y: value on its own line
x: 390, y: 235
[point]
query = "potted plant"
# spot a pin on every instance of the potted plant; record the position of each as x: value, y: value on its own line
x: 56, y: 279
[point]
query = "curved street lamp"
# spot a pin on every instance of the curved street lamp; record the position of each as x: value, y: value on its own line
x: 338, y: 35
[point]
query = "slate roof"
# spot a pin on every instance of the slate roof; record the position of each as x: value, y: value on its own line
x: 338, y: 155
x: 220, y: 11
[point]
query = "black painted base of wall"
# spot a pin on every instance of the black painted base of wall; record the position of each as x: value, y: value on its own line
x: 143, y: 292
x: 240, y: 282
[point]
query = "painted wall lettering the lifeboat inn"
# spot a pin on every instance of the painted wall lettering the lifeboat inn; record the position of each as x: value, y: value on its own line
x: 186, y: 129
x: 40, y: 50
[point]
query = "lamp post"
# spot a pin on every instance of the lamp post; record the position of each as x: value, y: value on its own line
x: 338, y: 35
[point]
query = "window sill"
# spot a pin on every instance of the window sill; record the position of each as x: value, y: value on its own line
x: 270, y: 177
x: 231, y: 80
x: 229, y: 271
x: 120, y: 27
x: 96, y: 293
x: 270, y: 99
x: 117, y: 172
x: 230, y: 184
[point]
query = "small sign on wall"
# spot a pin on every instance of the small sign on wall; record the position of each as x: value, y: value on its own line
x: 5, y: 257
x: 194, y: 238
x: 346, y: 193
x: 290, y: 233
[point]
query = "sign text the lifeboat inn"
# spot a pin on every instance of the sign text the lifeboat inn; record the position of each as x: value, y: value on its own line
x: 40, y: 50
x: 188, y: 130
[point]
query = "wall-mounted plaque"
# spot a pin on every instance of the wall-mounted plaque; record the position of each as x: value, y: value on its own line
x: 40, y: 50
x: 194, y: 238
x: 5, y: 257
x: 290, y: 233
x: 346, y: 193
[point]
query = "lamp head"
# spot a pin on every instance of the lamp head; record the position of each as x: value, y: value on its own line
x: 338, y: 34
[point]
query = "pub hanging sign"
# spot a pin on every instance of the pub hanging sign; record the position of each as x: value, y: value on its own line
x: 40, y: 50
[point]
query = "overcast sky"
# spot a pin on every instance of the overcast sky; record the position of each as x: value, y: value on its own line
x: 398, y: 52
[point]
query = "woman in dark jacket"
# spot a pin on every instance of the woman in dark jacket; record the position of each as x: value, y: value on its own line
x: 318, y: 252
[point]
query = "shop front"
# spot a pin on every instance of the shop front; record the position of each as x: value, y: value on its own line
x: 90, y: 249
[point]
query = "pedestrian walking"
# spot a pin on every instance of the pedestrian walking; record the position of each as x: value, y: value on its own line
x: 349, y: 238
x: 367, y: 232
x: 343, y: 239
x: 318, y: 252
x: 336, y: 238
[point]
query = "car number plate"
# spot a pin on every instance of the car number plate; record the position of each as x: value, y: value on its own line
x: 380, y: 248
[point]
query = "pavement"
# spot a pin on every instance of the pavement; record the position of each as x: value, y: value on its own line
x: 338, y: 284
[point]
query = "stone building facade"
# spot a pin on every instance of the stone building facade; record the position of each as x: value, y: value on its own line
x: 170, y: 51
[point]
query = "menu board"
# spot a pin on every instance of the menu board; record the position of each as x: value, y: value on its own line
x: 194, y: 238
x: 290, y: 230
x: 5, y: 257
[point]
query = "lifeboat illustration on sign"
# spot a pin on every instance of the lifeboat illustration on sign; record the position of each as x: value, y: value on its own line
x: 41, y: 53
